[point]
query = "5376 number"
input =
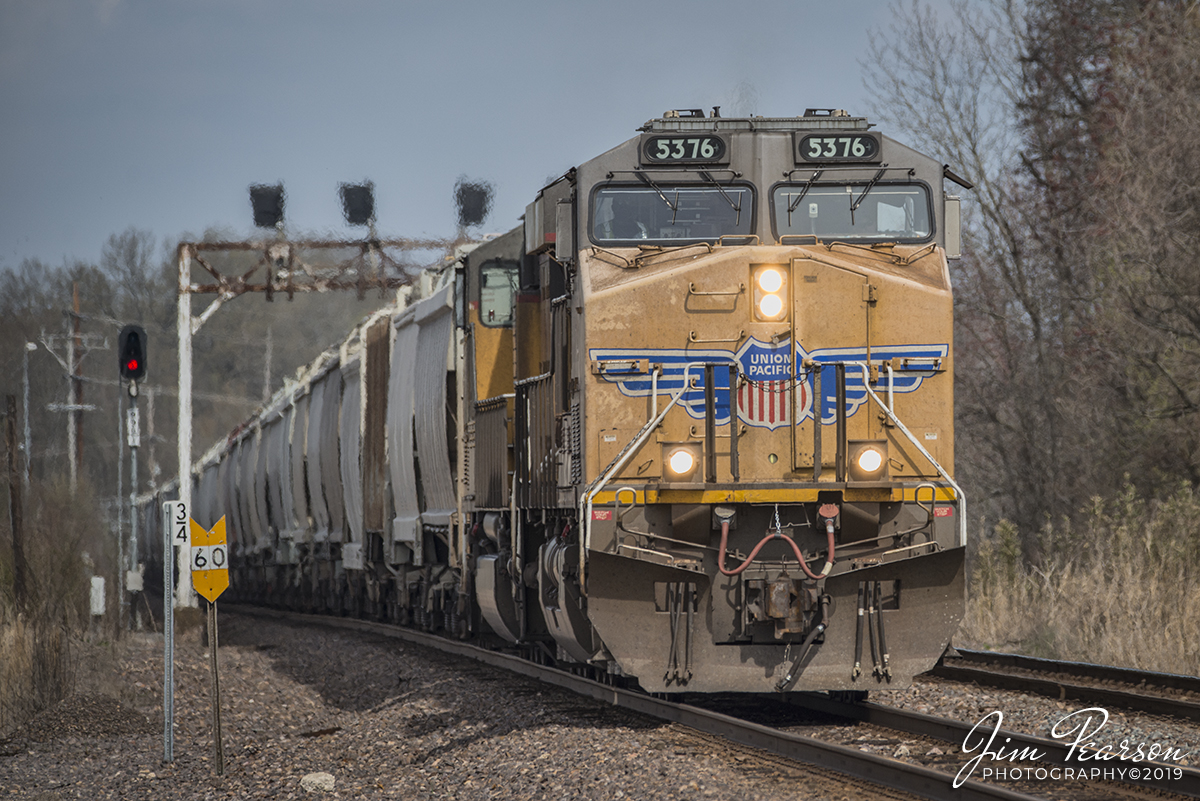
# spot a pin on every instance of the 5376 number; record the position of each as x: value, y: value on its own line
x: 839, y: 148
x: 676, y: 149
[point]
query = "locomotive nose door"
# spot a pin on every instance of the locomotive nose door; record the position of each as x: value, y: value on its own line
x: 832, y: 312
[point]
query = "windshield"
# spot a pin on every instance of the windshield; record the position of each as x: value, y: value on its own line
x: 887, y: 213
x: 664, y: 214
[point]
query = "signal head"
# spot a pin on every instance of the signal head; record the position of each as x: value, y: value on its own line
x: 131, y: 352
x: 358, y: 203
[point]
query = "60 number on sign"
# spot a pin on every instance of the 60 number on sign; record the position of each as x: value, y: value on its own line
x: 209, y: 557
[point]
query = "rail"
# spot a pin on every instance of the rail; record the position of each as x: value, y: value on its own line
x: 1173, y: 681
x: 952, y: 731
x: 1055, y: 687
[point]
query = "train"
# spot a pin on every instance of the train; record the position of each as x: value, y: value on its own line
x: 688, y: 426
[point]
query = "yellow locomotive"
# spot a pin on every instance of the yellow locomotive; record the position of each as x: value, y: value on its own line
x: 691, y: 424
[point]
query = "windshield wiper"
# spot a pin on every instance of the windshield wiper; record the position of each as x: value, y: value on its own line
x: 737, y: 207
x: 674, y: 207
x: 870, y: 185
x: 792, y: 206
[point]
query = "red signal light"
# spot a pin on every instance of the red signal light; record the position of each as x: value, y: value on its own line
x: 132, y: 352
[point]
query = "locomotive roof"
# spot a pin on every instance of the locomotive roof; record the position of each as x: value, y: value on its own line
x: 811, y: 120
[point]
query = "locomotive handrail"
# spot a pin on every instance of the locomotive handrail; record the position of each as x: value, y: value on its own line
x: 813, y: 237
x: 962, y: 499
x: 693, y: 291
x: 620, y: 522
x: 877, y: 250
x: 721, y: 239
x: 628, y: 265
x: 487, y: 404
x: 844, y: 168
x: 658, y: 250
x: 521, y: 382
x: 693, y: 338
x: 593, y: 489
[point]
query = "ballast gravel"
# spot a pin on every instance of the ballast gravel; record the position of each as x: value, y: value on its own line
x: 383, y: 719
x: 314, y: 712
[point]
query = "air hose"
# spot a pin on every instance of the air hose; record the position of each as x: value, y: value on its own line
x: 775, y: 535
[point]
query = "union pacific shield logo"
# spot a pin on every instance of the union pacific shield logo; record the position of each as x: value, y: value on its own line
x: 769, y: 393
x: 765, y: 392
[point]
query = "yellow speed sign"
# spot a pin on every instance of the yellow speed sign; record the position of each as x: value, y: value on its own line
x: 210, y: 560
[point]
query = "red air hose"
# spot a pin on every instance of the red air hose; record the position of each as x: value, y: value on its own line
x: 795, y: 549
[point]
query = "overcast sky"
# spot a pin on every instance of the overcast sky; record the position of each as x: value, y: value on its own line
x: 158, y: 113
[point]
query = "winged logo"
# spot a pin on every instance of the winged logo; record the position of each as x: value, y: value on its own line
x: 767, y: 394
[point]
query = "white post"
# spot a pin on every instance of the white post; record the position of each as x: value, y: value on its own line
x: 29, y: 348
x: 72, y: 420
x: 121, y: 605
x: 184, y: 595
x: 266, y: 394
x: 135, y: 436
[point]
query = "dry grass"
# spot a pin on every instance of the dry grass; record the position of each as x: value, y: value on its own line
x: 1123, y: 588
x: 40, y: 642
x: 37, y: 669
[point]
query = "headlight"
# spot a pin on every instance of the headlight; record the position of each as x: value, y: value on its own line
x: 770, y: 280
x: 770, y: 306
x: 870, y: 460
x: 770, y: 293
x: 681, y: 462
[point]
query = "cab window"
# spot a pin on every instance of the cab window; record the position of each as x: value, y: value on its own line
x: 853, y: 212
x: 497, y: 292
x: 666, y: 214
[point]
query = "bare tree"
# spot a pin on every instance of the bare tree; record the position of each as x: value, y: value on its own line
x: 1147, y: 208
x: 1026, y: 98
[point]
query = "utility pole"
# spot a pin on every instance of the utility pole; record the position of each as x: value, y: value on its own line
x: 73, y: 359
x: 184, y: 597
x: 30, y: 347
x: 266, y: 395
x: 155, y: 470
x: 14, y: 505
x: 77, y: 347
x: 77, y: 379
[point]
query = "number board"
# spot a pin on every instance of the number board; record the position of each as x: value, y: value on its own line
x: 684, y: 149
x: 210, y: 560
x: 838, y: 147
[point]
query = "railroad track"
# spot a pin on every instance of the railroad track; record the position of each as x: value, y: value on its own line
x: 1076, y: 681
x: 951, y: 731
x: 888, y: 772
